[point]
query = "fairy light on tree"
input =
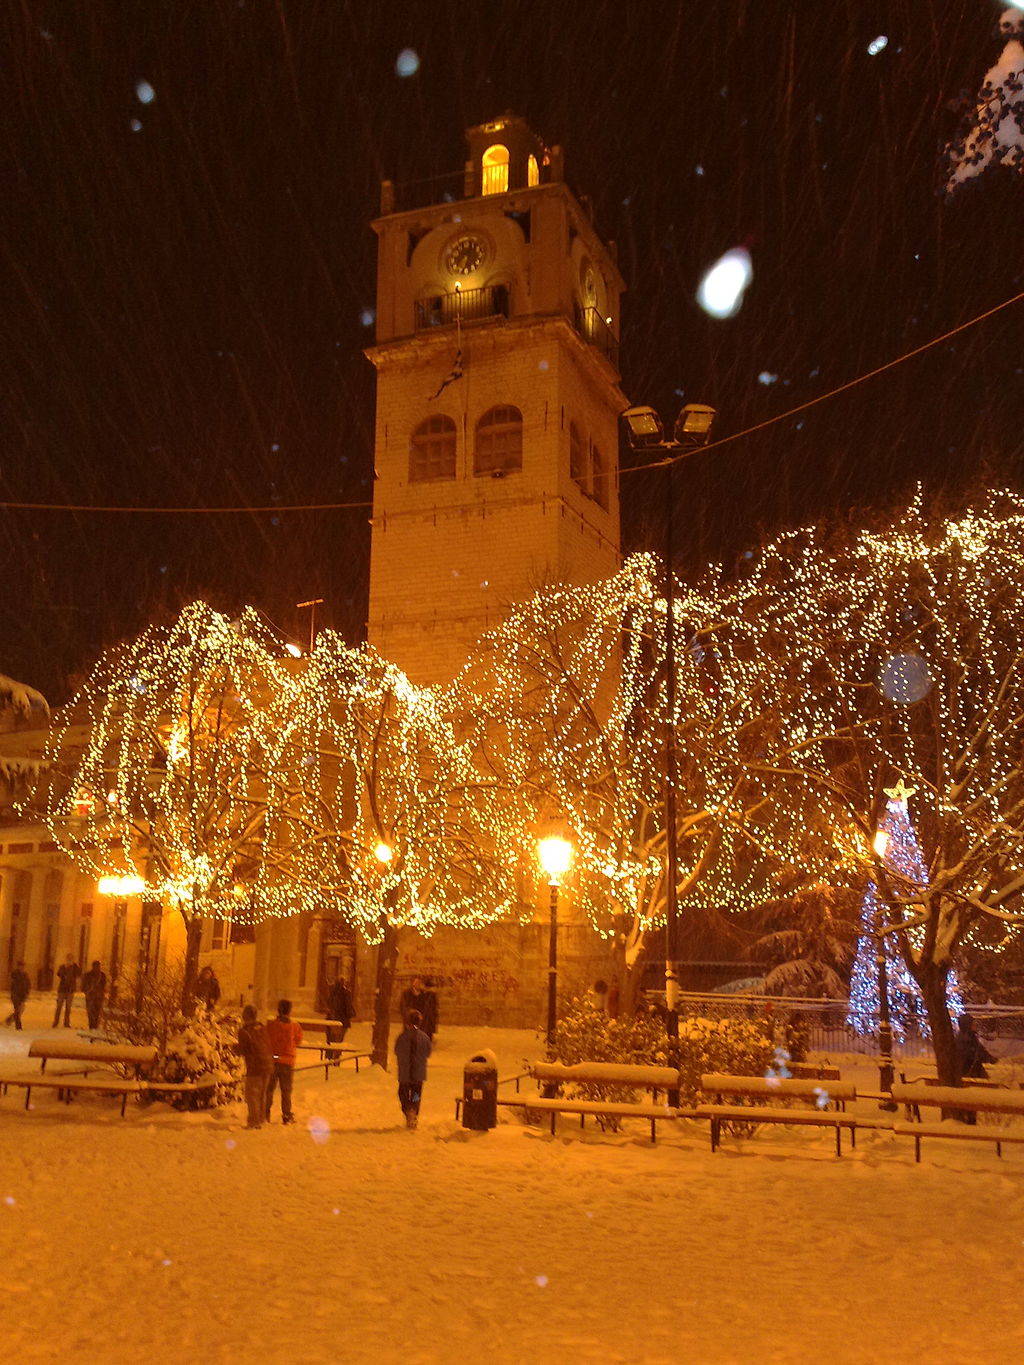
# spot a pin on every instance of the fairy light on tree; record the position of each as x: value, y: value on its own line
x: 900, y: 653
x: 378, y: 807
x: 159, y: 763
x: 569, y: 696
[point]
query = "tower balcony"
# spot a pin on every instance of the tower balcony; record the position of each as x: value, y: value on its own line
x: 592, y: 327
x: 465, y: 305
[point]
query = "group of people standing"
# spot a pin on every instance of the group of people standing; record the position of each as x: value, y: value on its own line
x: 269, y: 1050
x: 94, y: 988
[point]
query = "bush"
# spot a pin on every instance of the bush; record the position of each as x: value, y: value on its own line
x: 147, y: 1011
x: 737, y: 1046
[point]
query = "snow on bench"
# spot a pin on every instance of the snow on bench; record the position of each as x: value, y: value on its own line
x: 820, y: 1094
x: 124, y: 1054
x: 962, y: 1100
x: 551, y: 1075
x: 331, y: 1054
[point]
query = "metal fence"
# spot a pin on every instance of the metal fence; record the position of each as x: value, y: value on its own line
x: 824, y: 1024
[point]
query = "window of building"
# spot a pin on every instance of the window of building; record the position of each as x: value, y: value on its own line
x: 532, y: 171
x: 432, y: 450
x: 578, y: 458
x: 221, y: 936
x: 599, y: 476
x: 495, y: 169
x: 499, y: 442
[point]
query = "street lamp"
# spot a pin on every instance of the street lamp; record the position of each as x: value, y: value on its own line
x: 555, y: 856
x: 646, y: 434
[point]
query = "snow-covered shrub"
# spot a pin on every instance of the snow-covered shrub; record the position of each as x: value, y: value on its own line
x: 738, y: 1047
x: 147, y: 1010
x: 204, y: 1047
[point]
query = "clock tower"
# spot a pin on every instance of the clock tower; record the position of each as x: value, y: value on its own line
x: 496, y: 439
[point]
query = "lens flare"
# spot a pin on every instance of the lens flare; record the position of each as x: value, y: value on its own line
x: 721, y: 290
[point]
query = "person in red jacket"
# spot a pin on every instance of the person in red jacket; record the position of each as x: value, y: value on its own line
x: 284, y: 1036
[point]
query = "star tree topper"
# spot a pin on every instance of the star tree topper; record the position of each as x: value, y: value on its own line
x: 901, y: 793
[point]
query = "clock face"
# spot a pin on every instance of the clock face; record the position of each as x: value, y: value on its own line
x: 466, y: 254
x: 588, y: 286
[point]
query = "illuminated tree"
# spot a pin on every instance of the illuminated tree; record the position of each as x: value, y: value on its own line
x: 159, y: 765
x: 379, y: 809
x: 569, y: 697
x: 898, y: 845
x: 899, y: 655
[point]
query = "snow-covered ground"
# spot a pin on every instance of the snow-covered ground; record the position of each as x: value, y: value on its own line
x: 168, y: 1237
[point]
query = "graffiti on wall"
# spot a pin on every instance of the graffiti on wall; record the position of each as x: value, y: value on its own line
x: 465, y: 975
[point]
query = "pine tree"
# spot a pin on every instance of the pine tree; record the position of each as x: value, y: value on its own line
x: 993, y: 132
x: 902, y: 854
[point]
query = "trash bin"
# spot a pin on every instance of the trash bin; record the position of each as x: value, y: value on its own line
x: 480, y: 1092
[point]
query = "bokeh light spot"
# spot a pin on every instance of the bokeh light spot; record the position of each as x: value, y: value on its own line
x: 144, y: 92
x: 906, y: 678
x: 878, y: 45
x: 319, y: 1129
x: 407, y: 63
x: 721, y: 290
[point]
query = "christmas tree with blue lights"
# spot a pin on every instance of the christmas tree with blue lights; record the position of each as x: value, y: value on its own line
x: 902, y: 854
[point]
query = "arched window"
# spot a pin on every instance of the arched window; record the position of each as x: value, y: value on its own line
x: 499, y: 442
x: 495, y: 169
x: 599, y: 474
x: 578, y: 457
x: 432, y: 450
x: 532, y: 171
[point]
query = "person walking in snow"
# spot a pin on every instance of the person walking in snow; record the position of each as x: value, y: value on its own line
x: 420, y: 998
x: 284, y: 1036
x: 67, y: 983
x: 412, y: 1048
x: 254, y: 1047
x: 19, y: 988
x: 94, y: 985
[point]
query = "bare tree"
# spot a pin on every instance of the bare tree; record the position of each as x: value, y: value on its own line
x: 897, y: 659
x: 158, y: 766
x: 379, y: 806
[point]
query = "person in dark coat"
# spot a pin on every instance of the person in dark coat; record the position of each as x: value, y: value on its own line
x: 973, y: 1052
x: 94, y: 984
x: 412, y: 1048
x: 339, y: 1006
x: 208, y: 988
x: 67, y: 983
x: 419, y: 998
x: 254, y: 1047
x: 19, y: 988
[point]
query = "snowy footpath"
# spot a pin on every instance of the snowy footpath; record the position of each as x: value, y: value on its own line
x: 164, y: 1238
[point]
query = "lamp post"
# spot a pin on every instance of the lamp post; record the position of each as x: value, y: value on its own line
x: 555, y: 856
x: 886, y: 1070
x: 646, y: 434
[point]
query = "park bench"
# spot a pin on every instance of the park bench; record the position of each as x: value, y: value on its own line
x: 551, y: 1076
x: 968, y: 1099
x: 331, y: 1054
x: 95, y: 1056
x: 828, y: 1100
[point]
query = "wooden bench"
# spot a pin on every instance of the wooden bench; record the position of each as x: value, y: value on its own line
x: 969, y: 1099
x: 823, y: 1094
x: 92, y: 1055
x: 331, y: 1054
x: 553, y: 1075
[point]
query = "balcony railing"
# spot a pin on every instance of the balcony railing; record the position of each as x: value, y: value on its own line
x: 593, y: 328
x: 467, y: 305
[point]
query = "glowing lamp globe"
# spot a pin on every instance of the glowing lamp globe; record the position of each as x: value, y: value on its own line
x: 555, y: 856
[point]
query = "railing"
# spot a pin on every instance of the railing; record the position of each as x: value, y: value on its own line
x: 465, y: 305
x: 593, y: 328
x: 823, y: 1023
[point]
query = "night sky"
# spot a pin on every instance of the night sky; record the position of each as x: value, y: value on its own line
x: 187, y: 272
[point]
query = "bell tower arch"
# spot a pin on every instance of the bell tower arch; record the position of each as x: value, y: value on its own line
x: 498, y: 399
